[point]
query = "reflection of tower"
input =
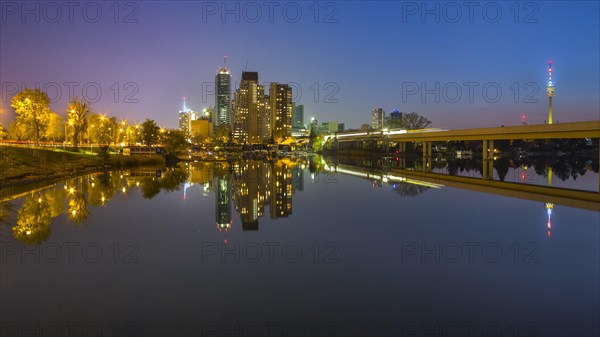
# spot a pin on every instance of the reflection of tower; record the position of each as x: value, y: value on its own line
x: 223, y: 203
x: 550, y: 91
x: 549, y: 208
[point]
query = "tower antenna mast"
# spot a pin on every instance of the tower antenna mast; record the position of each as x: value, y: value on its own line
x: 550, y: 91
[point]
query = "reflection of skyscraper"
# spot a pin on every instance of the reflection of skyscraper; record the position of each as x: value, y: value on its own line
x: 251, y: 191
x: 223, y: 203
x: 222, y: 97
x: 298, y: 178
x: 281, y: 191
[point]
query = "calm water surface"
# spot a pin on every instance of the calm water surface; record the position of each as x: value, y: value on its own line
x: 293, y: 248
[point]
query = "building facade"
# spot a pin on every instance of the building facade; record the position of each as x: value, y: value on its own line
x: 298, y: 120
x: 247, y: 105
x: 280, y: 98
x: 222, y: 107
x: 377, y: 118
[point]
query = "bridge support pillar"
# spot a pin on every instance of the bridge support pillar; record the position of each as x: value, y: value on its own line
x: 401, y: 147
x: 385, y: 146
x: 488, y: 159
x: 426, y: 156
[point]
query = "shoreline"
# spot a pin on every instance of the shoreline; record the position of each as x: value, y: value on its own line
x: 30, y: 166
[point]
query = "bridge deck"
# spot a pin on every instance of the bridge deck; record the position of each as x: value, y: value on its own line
x: 590, y: 129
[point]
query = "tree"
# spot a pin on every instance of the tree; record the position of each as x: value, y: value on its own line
x: 222, y: 133
x: 32, y: 108
x: 150, y: 132
x: 78, y: 114
x: 132, y: 135
x: 3, y: 133
x: 174, y: 141
x: 102, y: 129
x: 17, y: 131
x: 55, y: 129
x: 412, y: 121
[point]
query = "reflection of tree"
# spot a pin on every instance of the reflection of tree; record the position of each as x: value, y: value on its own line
x: 173, y: 178
x: 101, y: 188
x: 33, y: 221
x: 409, y: 190
x: 150, y: 187
x: 6, y: 208
x: 55, y: 200
x: 501, y: 165
x: 78, y: 210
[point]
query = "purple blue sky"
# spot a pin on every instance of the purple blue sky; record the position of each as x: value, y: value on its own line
x: 373, y: 53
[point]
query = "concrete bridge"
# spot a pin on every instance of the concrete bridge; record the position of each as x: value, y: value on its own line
x: 383, y: 139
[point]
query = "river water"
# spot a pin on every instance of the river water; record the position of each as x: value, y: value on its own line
x: 306, y: 247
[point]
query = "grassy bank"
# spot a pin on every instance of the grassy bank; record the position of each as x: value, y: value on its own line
x: 25, y: 165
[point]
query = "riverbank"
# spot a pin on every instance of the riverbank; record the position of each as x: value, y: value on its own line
x: 27, y: 165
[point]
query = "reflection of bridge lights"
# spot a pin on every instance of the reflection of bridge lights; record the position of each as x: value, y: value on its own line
x: 71, y: 190
x: 137, y: 183
x: 28, y: 232
x: 40, y: 200
x: 123, y: 190
x: 73, y: 212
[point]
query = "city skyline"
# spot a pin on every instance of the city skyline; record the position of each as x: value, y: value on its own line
x: 343, y: 86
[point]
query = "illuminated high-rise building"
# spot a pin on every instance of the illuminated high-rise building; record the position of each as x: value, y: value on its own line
x: 377, y: 118
x: 298, y: 120
x: 550, y: 91
x: 280, y: 98
x: 248, y: 107
x: 184, y: 119
x: 222, y: 113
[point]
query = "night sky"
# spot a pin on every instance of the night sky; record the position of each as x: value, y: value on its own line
x: 360, y: 55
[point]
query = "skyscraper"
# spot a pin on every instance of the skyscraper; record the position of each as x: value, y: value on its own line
x: 184, y: 119
x: 395, y: 119
x: 298, y: 120
x: 222, y: 97
x: 377, y: 118
x: 280, y: 96
x: 248, y: 109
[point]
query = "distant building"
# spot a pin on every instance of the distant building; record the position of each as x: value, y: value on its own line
x: 298, y: 120
x: 395, y: 119
x: 222, y: 113
x: 377, y: 118
x: 184, y: 122
x: 327, y: 127
x: 280, y: 99
x: 202, y: 128
x: 341, y: 127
